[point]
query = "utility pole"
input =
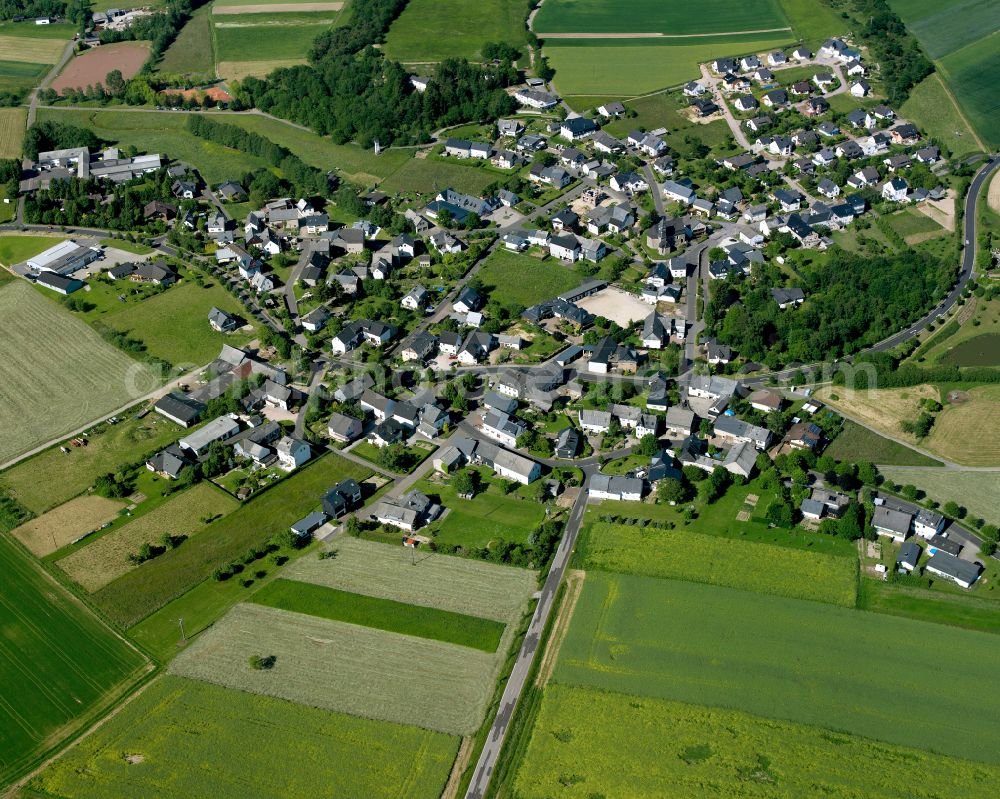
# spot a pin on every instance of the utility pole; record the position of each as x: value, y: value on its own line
x: 183, y: 640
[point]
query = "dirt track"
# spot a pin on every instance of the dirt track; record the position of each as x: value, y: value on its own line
x: 648, y: 35
x: 276, y: 8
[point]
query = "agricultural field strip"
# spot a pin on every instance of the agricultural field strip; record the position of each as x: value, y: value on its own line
x: 690, y: 751
x: 574, y: 16
x: 106, y: 559
x: 381, y: 614
x: 978, y: 492
x: 32, y: 51
x: 60, y: 526
x: 346, y: 668
x: 754, y: 566
x: 943, y: 28
x: 229, y: 741
x: 438, y: 581
x: 784, y: 658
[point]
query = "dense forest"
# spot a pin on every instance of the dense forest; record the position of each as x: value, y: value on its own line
x: 350, y: 91
x: 902, y: 64
x: 306, y: 180
x: 852, y: 302
x: 32, y: 8
x: 44, y: 136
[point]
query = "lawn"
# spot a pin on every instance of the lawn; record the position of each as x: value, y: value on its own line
x: 782, y: 658
x: 911, y: 222
x: 51, y: 531
x: 856, y: 443
x: 649, y: 16
x: 197, y: 739
x: 125, y: 245
x: 174, y: 324
x: 750, y: 565
x: 412, y: 456
x: 523, y: 280
x: 628, y: 67
x: 52, y: 477
x: 580, y: 748
x: 974, y: 76
x: 159, y: 133
x: 418, y: 33
x: 59, y: 666
x: 11, y: 129
x: 933, y: 109
x: 458, y: 585
x: 83, y: 379
x: 381, y: 614
x: 106, y: 559
x: 345, y: 668
x: 135, y: 595
x: 192, y: 50
x: 15, y: 249
x: 431, y: 174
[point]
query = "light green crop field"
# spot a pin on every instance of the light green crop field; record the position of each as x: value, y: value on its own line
x: 944, y: 27
x: 58, y: 664
x: 513, y: 279
x: 654, y: 16
x: 135, y: 595
x: 52, y: 477
x: 750, y: 565
x: 577, y: 750
x: 345, y: 667
x: 83, y: 376
x: 785, y: 659
x: 436, y: 581
x: 433, y: 30
x: 934, y: 110
x: 628, y: 67
x: 235, y: 41
x: 11, y: 129
x: 187, y: 738
x: 174, y: 325
x: 33, y: 50
x: 381, y: 614
x: 98, y: 563
x: 974, y: 76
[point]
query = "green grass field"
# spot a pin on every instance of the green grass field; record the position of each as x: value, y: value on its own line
x: 11, y: 130
x: 58, y: 664
x: 427, y: 29
x: 346, y: 668
x: 910, y: 222
x: 913, y: 602
x: 812, y: 21
x: 981, y: 350
x: 196, y: 739
x: 944, y: 27
x: 50, y: 478
x: 458, y: 585
x: 932, y: 109
x: 174, y: 325
x: 429, y: 174
x: 649, y: 16
x: 856, y: 443
x: 16, y: 248
x: 628, y: 67
x: 978, y: 492
x: 235, y: 41
x: 513, y: 279
x: 577, y: 749
x: 135, y: 595
x: 753, y: 566
x: 83, y: 379
x: 781, y: 658
x: 381, y: 614
x: 192, y: 52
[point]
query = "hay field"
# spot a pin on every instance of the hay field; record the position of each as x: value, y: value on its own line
x: 200, y: 740
x: 780, y: 658
x: 106, y: 559
x: 427, y: 29
x: 51, y: 531
x: 11, y: 131
x: 238, y: 70
x: 272, y: 8
x: 34, y: 51
x: 436, y: 581
x: 76, y: 378
x: 969, y: 432
x: 609, y: 16
x: 978, y: 492
x: 881, y: 409
x: 345, y: 668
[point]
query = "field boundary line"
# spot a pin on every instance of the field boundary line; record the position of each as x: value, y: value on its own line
x: 648, y: 35
x: 451, y: 788
x: 947, y: 90
x: 574, y: 587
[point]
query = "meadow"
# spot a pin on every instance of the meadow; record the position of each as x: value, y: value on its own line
x: 11, y: 127
x: 943, y: 28
x: 59, y: 665
x: 813, y: 22
x: 435, y: 174
x: 427, y: 30
x: 982, y: 350
x: 345, y: 668
x: 978, y: 318
x: 934, y: 110
x: 52, y: 477
x: 459, y: 585
x: 856, y: 443
x: 752, y: 566
x: 381, y: 614
x: 136, y: 594
x: 978, y: 492
x: 15, y: 248
x: 782, y: 658
x: 577, y: 751
x: 950, y: 435
x: 83, y: 379
x: 195, y: 739
x: 33, y: 50
x: 156, y: 321
x: 106, y: 559
x: 653, y: 16
x: 265, y: 38
x: 513, y: 279
x: 629, y: 67
x: 51, y: 531
x: 193, y: 50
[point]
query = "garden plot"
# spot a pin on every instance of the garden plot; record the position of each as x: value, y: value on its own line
x: 346, y: 668
x: 63, y: 525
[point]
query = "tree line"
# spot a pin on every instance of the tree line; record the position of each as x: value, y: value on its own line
x: 32, y: 8
x: 901, y: 60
